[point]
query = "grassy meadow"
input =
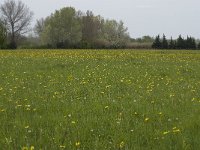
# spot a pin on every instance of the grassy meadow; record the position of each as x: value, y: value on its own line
x: 99, y: 100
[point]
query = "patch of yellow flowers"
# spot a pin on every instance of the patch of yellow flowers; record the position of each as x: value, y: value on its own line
x: 27, y: 148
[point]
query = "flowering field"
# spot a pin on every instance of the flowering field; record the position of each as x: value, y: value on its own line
x: 99, y: 100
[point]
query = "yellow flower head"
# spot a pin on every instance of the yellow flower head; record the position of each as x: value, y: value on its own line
x: 166, y: 132
x: 176, y: 130
x: 73, y: 122
x: 146, y: 119
x: 26, y: 127
x: 62, y: 146
x: 121, y: 145
x: 77, y: 144
x: 32, y: 148
x: 24, y: 148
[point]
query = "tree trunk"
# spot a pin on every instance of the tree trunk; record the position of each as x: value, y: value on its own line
x: 13, y: 44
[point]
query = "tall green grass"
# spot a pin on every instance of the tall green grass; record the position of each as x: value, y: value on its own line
x: 99, y: 100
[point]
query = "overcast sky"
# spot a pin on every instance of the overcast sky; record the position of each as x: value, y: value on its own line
x: 142, y: 17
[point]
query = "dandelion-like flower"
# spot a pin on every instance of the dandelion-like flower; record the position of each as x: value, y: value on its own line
x: 26, y: 127
x: 175, y: 130
x: 24, y: 148
x: 121, y: 145
x: 77, y: 144
x: 32, y: 148
x: 62, y: 146
x: 146, y: 119
x: 73, y: 122
x: 166, y: 132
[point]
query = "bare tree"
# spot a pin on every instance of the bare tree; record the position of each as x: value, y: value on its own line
x: 17, y: 17
x: 39, y: 27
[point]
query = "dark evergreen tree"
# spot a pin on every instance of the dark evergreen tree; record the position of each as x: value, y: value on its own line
x: 188, y: 43
x: 164, y: 42
x: 172, y: 44
x: 180, y: 43
x: 193, y: 44
x: 198, y: 46
x: 175, y: 44
x: 157, y: 43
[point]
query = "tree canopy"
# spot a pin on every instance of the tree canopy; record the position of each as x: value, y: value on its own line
x: 68, y: 28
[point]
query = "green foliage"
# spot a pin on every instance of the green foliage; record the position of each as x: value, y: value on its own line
x: 91, y: 27
x: 115, y: 33
x: 17, y: 18
x: 144, y: 39
x: 62, y: 28
x: 3, y: 35
x: 198, y: 46
x: 179, y: 43
x: 99, y: 100
x: 190, y: 43
x: 68, y: 28
x: 157, y: 43
x: 39, y: 27
x: 164, y: 42
x: 172, y: 44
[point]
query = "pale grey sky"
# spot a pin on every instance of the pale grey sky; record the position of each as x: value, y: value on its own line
x: 142, y: 17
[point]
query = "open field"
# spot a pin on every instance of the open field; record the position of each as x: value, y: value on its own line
x: 99, y: 100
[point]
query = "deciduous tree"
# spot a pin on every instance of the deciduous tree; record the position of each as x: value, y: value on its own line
x: 62, y: 29
x: 17, y: 17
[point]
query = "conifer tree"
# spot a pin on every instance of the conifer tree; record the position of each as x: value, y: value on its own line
x: 157, y: 43
x: 188, y: 43
x: 193, y: 44
x: 180, y: 43
x: 198, y: 46
x: 171, y: 44
x: 164, y: 42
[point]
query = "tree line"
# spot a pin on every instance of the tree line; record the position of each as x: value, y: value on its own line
x: 65, y: 28
x: 69, y: 28
x: 179, y: 43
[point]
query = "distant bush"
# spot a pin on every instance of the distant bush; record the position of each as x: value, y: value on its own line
x: 136, y: 45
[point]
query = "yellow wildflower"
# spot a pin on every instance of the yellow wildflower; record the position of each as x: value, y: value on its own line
x: 62, y: 146
x: 121, y: 145
x: 25, y: 148
x: 176, y: 130
x: 3, y: 110
x: 166, y: 132
x: 146, y: 119
x: 77, y: 143
x: 26, y: 127
x: 106, y: 107
x: 73, y: 122
x: 32, y: 148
